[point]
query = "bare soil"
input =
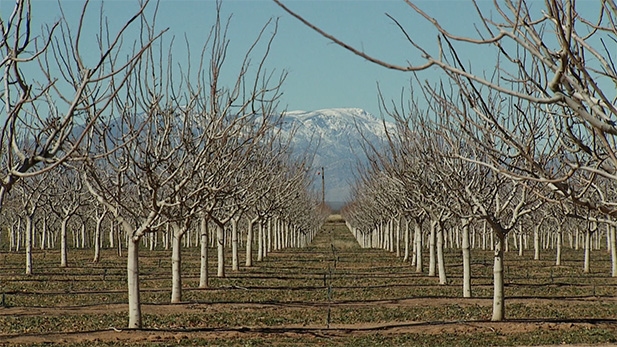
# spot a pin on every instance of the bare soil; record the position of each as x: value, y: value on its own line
x: 332, y: 293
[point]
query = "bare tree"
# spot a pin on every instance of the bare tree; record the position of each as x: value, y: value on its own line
x: 31, y: 198
x: 68, y: 197
x: 559, y: 72
x: 186, y: 137
x: 47, y: 119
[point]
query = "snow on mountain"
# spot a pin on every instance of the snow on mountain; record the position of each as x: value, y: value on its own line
x: 336, y: 134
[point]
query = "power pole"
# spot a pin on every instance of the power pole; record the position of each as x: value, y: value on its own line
x: 323, y: 187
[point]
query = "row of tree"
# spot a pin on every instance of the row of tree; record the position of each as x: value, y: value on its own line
x: 530, y: 141
x: 153, y: 145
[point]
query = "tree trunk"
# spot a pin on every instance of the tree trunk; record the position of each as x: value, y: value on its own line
x: 29, y: 245
x: 97, y: 239
x: 249, y: 244
x: 536, y: 242
x: 220, y: 236
x: 268, y: 248
x: 83, y: 235
x: 587, y: 252
x: 132, y: 269
x: 466, y: 260
x: 111, y: 235
x: 63, y: 243
x: 431, y: 244
x: 391, y: 238
x: 521, y: 247
x: 176, y: 264
x: 613, y: 247
x: 234, y: 245
x: 44, y: 235
x: 499, y: 305
x: 418, y: 238
x: 558, y: 246
x: 398, y: 238
x: 260, y: 241
x: 406, y: 240
x: 440, y: 256
x: 203, y: 266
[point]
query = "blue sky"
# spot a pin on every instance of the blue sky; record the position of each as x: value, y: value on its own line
x: 320, y: 74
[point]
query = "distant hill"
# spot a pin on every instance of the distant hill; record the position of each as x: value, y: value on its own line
x: 338, y: 133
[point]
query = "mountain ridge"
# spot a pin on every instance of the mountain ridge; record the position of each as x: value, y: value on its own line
x: 335, y: 135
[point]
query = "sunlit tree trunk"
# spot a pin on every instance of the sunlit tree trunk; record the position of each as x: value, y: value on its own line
x: 82, y: 236
x: 234, y: 245
x: 176, y: 263
x: 268, y: 247
x: 44, y: 235
x: 220, y: 237
x: 63, y: 243
x: 558, y: 246
x: 203, y: 263
x: 260, y: 241
x: 499, y: 306
x: 398, y: 237
x: 28, y: 239
x: 613, y: 247
x: 521, y: 243
x: 466, y: 259
x: 441, y: 262
x: 432, y: 264
x: 97, y: 238
x: 249, y: 243
x: 418, y: 238
x: 586, y: 266
x: 406, y: 240
x: 132, y: 268
x: 536, y: 242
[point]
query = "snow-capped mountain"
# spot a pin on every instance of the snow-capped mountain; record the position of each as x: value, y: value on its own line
x: 336, y: 134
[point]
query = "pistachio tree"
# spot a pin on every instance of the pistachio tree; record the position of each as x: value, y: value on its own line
x: 53, y: 93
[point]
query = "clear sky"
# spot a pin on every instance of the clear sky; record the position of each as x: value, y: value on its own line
x: 320, y: 74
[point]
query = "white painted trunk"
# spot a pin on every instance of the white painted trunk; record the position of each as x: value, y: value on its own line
x: 44, y: 235
x: 260, y: 241
x: 613, y: 247
x: 234, y: 245
x: 28, y: 245
x: 398, y: 238
x: 176, y: 265
x: 418, y: 238
x: 97, y: 240
x: 268, y: 248
x: 521, y: 247
x: 220, y: 236
x: 63, y: 243
x: 432, y: 264
x: 249, y: 244
x: 83, y: 235
x: 441, y: 262
x: 536, y: 242
x: 132, y: 269
x: 406, y: 240
x: 558, y: 245
x: 203, y: 263
x: 466, y: 260
x: 391, y: 237
x: 499, y: 305
x: 586, y: 265
x: 484, y: 237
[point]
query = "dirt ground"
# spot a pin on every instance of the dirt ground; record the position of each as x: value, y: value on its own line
x: 337, y: 265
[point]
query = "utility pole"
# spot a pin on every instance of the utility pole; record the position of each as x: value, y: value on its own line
x: 323, y: 187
